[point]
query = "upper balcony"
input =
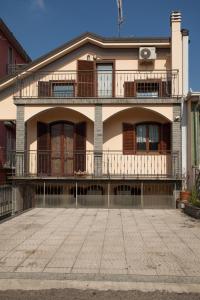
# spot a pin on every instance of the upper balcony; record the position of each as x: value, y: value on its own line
x: 101, y: 83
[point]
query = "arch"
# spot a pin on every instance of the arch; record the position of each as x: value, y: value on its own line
x: 36, y: 111
x: 116, y: 111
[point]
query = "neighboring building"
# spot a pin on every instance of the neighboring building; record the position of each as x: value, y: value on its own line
x: 193, y: 145
x: 12, y: 59
x: 98, y: 122
x: 13, y: 56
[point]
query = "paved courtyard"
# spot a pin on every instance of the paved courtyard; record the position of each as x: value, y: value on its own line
x: 98, y: 241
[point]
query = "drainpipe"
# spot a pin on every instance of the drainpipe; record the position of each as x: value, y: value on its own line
x: 197, y: 133
x: 185, y: 89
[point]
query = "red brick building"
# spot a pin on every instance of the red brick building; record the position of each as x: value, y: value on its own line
x: 12, y: 59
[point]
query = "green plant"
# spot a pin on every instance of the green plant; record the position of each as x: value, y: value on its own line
x: 194, y: 200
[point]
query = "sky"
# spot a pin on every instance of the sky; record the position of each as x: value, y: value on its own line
x: 42, y: 25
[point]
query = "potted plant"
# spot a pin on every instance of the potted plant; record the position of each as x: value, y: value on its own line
x: 192, y: 208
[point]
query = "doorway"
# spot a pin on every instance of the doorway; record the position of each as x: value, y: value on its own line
x: 62, y: 149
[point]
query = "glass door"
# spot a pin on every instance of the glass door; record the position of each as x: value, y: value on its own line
x: 104, y: 80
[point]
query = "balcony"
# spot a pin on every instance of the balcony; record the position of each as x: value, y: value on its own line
x: 98, y: 84
x: 15, y: 68
x: 102, y: 165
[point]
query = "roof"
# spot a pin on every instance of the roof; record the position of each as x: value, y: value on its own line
x: 11, y: 38
x: 105, y: 42
x: 195, y: 96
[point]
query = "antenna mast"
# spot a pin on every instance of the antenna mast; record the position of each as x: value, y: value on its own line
x: 120, y: 16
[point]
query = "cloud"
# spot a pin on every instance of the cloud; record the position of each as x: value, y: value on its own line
x: 39, y: 4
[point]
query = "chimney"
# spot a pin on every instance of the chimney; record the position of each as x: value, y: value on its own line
x: 176, y: 48
x: 176, y: 20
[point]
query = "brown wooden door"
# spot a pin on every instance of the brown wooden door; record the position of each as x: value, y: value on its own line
x: 43, y: 150
x: 80, y: 144
x: 62, y: 149
x: 86, y: 78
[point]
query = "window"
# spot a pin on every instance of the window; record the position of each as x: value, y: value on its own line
x: 147, y: 137
x: 154, y: 137
x: 10, y: 56
x: 147, y: 89
x: 63, y: 89
x: 141, y: 137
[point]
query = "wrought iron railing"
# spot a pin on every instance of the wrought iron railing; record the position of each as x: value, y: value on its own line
x: 89, y: 164
x: 102, y: 84
x: 6, y: 202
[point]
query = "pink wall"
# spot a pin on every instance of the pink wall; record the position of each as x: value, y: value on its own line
x: 4, y: 45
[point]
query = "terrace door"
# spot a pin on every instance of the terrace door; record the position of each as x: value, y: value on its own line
x: 104, y: 80
x: 62, y: 149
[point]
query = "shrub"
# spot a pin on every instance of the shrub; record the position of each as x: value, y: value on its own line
x: 194, y: 200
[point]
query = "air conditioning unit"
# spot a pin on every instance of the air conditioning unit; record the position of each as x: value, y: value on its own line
x: 147, y: 53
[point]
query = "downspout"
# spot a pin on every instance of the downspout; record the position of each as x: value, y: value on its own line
x: 197, y: 133
x: 185, y: 88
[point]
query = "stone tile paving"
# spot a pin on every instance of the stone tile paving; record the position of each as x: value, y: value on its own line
x: 100, y: 241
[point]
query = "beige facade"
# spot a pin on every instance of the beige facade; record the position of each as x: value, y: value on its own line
x: 134, y: 91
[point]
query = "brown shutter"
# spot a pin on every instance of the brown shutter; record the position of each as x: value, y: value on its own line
x: 128, y: 138
x: 166, y: 137
x: 129, y: 89
x: 44, y: 89
x: 86, y: 78
x: 43, y: 149
x: 80, y: 147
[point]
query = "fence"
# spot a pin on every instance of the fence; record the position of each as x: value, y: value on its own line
x: 88, y: 164
x: 6, y: 203
x: 110, y: 84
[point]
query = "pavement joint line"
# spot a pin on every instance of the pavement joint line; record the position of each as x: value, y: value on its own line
x: 122, y: 227
x: 102, y: 249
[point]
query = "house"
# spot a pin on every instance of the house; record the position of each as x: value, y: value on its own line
x: 13, y: 56
x: 100, y: 122
x: 13, y: 59
x: 193, y: 145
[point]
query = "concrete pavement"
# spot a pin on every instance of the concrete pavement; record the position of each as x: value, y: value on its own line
x: 156, y: 247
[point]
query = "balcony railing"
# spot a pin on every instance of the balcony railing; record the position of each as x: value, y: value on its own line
x: 89, y: 164
x: 15, y: 68
x: 101, y: 84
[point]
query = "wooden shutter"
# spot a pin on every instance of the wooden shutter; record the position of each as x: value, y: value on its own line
x: 43, y: 149
x: 80, y: 147
x: 44, y: 89
x: 86, y: 78
x: 129, y: 89
x: 166, y: 137
x: 128, y: 138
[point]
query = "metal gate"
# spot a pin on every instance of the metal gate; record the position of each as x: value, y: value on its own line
x: 5, y: 200
x: 105, y: 194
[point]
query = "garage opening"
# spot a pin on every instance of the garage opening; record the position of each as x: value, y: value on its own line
x: 106, y: 194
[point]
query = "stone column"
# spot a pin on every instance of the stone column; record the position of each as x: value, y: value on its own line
x: 20, y: 141
x: 98, y: 141
x: 176, y: 140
